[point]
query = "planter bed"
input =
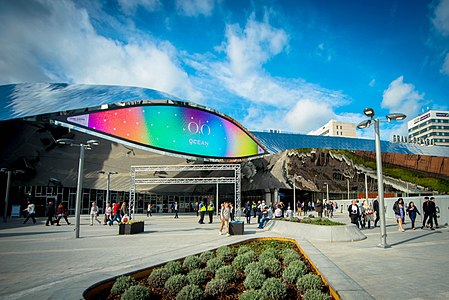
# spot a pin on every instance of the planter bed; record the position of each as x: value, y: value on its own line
x: 269, y: 258
x: 132, y: 228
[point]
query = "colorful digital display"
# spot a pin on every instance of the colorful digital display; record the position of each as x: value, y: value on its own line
x: 173, y: 128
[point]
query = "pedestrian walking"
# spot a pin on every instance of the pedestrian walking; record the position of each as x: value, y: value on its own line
x: 149, y: 209
x: 50, y: 212
x: 319, y: 208
x: 412, y: 210
x: 94, y: 211
x: 368, y: 214
x: 399, y: 212
x: 61, y: 212
x: 354, y: 213
x: 210, y: 211
x: 427, y: 216
x: 376, y: 211
x: 433, y: 212
x: 202, y: 209
x: 31, y: 212
x: 107, y: 214
x: 231, y: 210
x: 174, y: 208
x: 247, y: 212
x: 197, y: 208
x: 225, y: 216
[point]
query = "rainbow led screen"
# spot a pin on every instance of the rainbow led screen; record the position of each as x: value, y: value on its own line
x: 173, y: 128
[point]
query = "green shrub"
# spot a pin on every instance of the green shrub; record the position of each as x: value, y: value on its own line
x: 190, y: 292
x: 197, y: 276
x: 175, y: 283
x: 315, y: 295
x: 192, y: 262
x: 242, y: 260
x: 295, y: 219
x: 273, y: 266
x: 289, y: 255
x: 254, y: 267
x: 214, y: 264
x: 294, y: 271
x: 273, y: 289
x: 121, y: 284
x: 254, y: 280
x: 243, y: 249
x: 225, y: 253
x: 251, y: 295
x: 215, y: 287
x: 136, y: 292
x: 227, y: 273
x: 308, y: 282
x: 206, y: 256
x: 173, y: 267
x: 267, y: 254
x: 158, y: 277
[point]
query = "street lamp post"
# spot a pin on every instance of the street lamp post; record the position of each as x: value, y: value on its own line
x: 79, y: 188
x: 294, y: 193
x: 347, y: 180
x: 327, y: 191
x: 108, y: 183
x: 9, y: 174
x: 366, y: 187
x: 369, y: 112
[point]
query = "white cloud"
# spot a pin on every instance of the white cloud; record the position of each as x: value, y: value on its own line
x: 309, y: 114
x: 402, y: 97
x: 130, y: 7
x: 372, y: 82
x: 441, y: 17
x: 55, y: 41
x: 193, y: 8
x: 445, y: 67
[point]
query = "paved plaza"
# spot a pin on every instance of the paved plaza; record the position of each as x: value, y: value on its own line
x: 40, y: 262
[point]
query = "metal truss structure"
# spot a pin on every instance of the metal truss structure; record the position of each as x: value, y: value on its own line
x: 144, y: 175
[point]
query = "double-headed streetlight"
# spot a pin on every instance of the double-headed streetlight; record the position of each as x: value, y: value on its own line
x: 108, y: 183
x: 79, y: 189
x: 327, y: 191
x: 9, y: 174
x: 369, y: 112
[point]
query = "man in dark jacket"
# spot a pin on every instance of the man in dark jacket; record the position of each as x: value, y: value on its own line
x: 425, y: 209
x: 433, y: 212
x: 376, y: 211
x: 50, y: 211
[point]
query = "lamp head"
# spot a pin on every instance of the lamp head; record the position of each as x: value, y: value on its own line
x: 93, y: 143
x: 101, y: 172
x: 369, y: 112
x: 364, y: 124
x: 396, y: 117
x: 113, y: 172
x: 65, y: 141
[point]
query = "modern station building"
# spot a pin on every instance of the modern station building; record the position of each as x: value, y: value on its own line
x: 139, y: 127
x: 334, y: 128
x: 431, y: 128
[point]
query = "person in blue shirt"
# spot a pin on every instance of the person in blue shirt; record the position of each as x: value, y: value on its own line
x: 412, y: 210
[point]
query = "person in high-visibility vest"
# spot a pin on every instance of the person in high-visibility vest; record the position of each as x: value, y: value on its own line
x: 202, y: 209
x: 210, y: 211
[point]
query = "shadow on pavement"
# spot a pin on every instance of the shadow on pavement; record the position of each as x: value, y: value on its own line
x: 14, y: 234
x: 416, y: 237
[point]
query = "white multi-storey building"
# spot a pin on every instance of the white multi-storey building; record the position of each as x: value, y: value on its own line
x: 334, y: 128
x: 431, y: 127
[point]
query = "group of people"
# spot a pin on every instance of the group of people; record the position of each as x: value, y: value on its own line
x: 429, y: 209
x: 363, y: 215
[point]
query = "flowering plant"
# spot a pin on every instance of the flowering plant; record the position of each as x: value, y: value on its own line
x: 132, y: 222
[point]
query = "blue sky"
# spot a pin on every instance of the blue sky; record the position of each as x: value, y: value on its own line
x: 289, y: 65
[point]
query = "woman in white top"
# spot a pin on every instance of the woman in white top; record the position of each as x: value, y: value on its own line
x: 278, y: 212
x: 94, y: 214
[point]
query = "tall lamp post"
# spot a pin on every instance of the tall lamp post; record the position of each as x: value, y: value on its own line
x: 108, y: 183
x: 9, y: 174
x: 327, y: 191
x: 79, y: 188
x: 369, y: 112
x: 294, y: 192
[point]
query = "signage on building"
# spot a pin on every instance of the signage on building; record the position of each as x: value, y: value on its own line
x: 180, y: 129
x: 442, y: 115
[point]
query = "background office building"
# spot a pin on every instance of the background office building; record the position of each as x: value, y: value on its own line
x: 431, y: 127
x: 334, y: 128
